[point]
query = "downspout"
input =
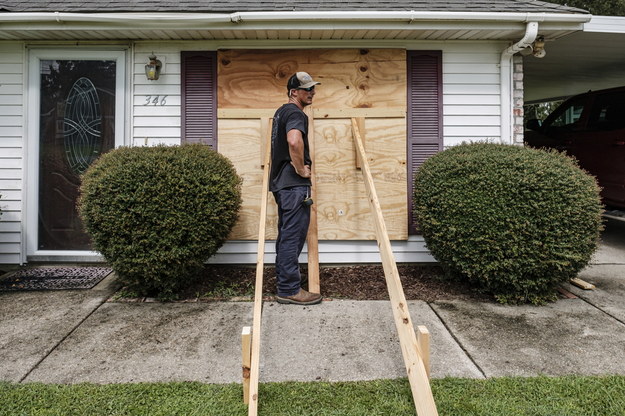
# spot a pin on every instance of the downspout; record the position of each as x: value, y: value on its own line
x: 505, y: 75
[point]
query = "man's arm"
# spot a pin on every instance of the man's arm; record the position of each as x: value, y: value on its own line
x: 296, y: 152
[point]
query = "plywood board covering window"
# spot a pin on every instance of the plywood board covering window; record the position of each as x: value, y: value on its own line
x: 373, y: 80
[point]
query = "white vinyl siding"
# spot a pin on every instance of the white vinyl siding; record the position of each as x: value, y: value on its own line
x: 330, y: 252
x: 471, y: 92
x: 156, y: 104
x: 11, y: 151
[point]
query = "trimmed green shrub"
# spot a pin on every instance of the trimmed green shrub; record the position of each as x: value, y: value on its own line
x: 514, y: 221
x: 158, y: 213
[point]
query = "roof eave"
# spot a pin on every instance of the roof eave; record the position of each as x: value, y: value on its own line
x: 254, y: 21
x: 300, y: 17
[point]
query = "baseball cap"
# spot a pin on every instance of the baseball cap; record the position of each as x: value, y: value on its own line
x: 300, y: 80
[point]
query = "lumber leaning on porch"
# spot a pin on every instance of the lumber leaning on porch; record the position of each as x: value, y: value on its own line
x: 417, y: 375
x: 246, y: 355
x: 312, y: 239
x: 258, y: 291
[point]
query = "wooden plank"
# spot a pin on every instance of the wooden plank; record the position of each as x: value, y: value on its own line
x: 350, y: 78
x: 423, y: 338
x: 246, y: 355
x: 239, y: 140
x: 582, y: 284
x: 264, y: 132
x: 343, y: 208
x: 360, y: 121
x: 258, y: 291
x: 375, y: 112
x: 321, y: 113
x: 355, y: 82
x: 415, y: 367
x: 343, y: 211
x: 244, y: 113
x: 312, y: 240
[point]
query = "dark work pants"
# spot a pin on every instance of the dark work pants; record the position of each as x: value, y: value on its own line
x: 293, y: 221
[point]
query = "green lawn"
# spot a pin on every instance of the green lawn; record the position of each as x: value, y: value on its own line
x: 536, y: 396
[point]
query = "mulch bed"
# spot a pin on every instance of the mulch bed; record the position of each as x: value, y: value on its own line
x: 359, y: 282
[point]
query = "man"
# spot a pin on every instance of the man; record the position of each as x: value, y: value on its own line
x: 290, y: 184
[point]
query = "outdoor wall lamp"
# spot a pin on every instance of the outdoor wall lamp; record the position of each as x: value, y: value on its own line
x: 538, y: 47
x: 153, y: 68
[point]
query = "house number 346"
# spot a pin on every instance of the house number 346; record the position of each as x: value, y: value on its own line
x: 155, y: 100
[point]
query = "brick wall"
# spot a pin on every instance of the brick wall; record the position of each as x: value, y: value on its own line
x: 517, y: 100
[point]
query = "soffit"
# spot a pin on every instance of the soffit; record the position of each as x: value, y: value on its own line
x: 591, y: 59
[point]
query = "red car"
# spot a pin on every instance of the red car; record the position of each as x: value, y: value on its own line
x: 591, y: 128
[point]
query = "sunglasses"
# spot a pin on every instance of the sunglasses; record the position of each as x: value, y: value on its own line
x: 308, y: 89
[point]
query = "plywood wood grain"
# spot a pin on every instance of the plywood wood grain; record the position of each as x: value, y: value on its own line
x: 371, y: 81
x: 359, y: 78
x: 343, y: 208
x: 239, y: 140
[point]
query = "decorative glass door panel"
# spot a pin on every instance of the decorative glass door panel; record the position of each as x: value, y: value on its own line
x: 76, y: 125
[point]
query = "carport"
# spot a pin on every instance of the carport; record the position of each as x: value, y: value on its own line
x: 591, y: 59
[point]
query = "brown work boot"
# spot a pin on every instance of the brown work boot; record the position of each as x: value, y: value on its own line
x: 301, y: 298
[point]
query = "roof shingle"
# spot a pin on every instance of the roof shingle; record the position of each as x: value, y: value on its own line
x: 217, y: 6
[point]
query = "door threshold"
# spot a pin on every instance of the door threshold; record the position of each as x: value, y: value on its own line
x: 58, y: 258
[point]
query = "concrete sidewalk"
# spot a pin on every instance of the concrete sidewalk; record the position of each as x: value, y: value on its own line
x: 79, y: 336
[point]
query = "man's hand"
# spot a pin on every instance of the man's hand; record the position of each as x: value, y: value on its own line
x: 304, y: 173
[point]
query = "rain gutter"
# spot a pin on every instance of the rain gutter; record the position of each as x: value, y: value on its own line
x: 184, y: 19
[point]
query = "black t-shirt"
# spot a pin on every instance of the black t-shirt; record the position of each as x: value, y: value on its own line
x: 287, y: 117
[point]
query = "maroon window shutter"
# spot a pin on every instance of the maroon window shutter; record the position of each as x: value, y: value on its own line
x: 199, y: 98
x: 425, y: 114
